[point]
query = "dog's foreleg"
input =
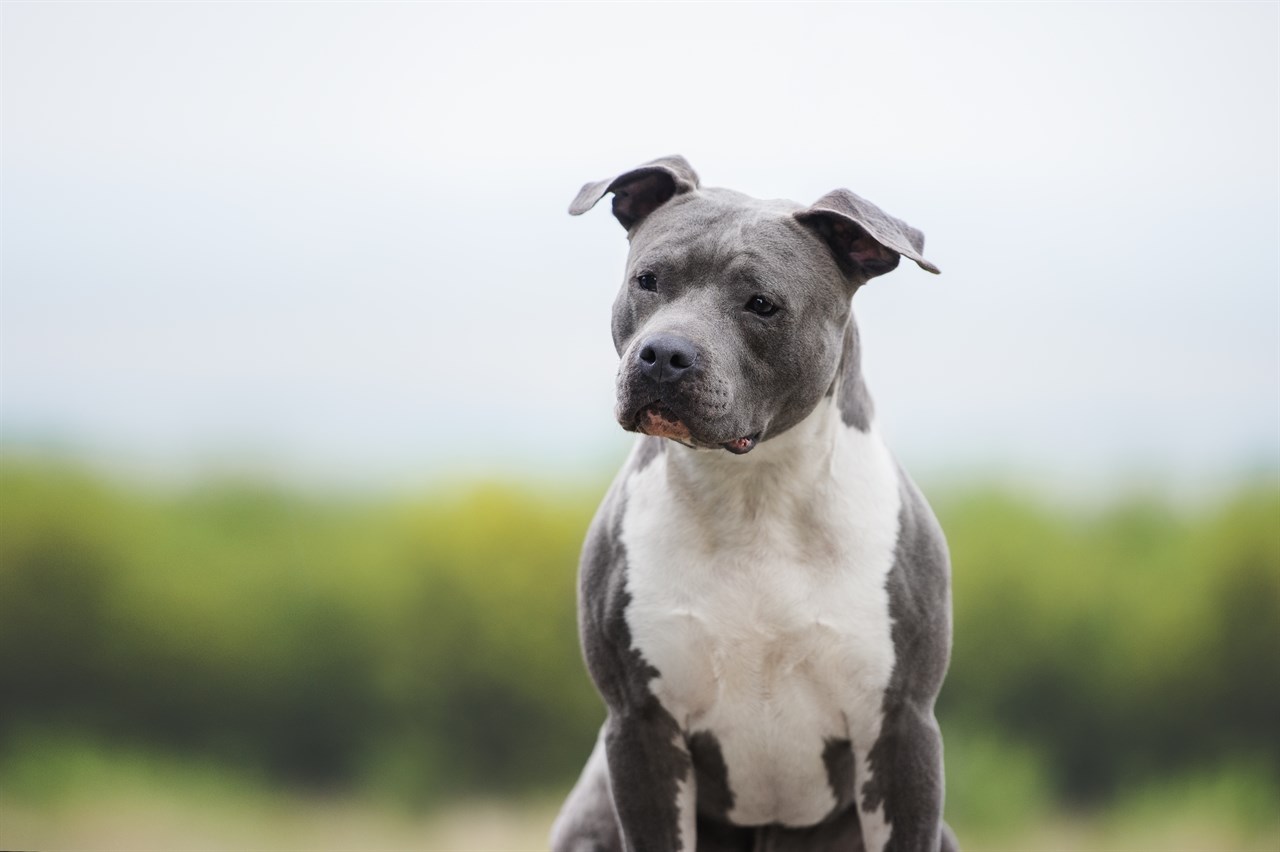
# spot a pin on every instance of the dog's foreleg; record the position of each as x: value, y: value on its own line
x: 653, y: 782
x: 901, y: 801
x: 587, y: 822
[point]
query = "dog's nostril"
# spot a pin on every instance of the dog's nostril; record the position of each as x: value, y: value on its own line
x: 647, y: 355
x: 681, y: 360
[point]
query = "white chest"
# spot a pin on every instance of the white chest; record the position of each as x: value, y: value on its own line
x: 761, y: 601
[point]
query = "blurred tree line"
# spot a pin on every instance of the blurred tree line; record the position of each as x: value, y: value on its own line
x: 426, y: 648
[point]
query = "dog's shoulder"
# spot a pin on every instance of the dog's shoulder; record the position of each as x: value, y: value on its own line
x: 603, y: 596
x: 919, y: 585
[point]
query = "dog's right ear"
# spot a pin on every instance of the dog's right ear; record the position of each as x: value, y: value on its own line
x: 639, y: 192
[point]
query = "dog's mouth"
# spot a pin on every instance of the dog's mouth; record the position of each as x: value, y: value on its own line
x: 661, y: 422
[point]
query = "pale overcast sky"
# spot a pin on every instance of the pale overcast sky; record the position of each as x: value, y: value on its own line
x: 332, y: 237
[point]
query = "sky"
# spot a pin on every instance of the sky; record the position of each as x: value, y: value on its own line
x: 331, y: 239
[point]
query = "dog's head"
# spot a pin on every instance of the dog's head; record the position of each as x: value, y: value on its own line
x: 732, y: 315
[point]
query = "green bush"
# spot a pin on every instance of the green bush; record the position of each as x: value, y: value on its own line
x: 1123, y: 645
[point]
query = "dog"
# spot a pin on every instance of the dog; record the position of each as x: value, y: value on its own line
x: 764, y: 595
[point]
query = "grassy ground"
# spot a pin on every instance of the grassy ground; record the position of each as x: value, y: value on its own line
x: 167, y: 823
x: 176, y: 824
x: 87, y: 799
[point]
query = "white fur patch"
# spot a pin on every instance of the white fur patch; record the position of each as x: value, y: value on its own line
x: 757, y: 589
x: 875, y: 828
x: 687, y: 809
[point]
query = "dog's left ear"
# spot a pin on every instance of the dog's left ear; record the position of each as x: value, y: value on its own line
x: 866, y: 241
x: 639, y: 192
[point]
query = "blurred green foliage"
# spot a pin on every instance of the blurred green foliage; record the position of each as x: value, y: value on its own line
x: 427, y: 648
x: 1122, y: 645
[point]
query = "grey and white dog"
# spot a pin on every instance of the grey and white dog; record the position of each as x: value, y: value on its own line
x: 764, y: 596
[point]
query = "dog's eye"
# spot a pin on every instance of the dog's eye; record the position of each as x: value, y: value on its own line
x: 762, y: 306
x: 647, y: 281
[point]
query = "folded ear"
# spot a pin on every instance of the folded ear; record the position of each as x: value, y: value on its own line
x: 867, y: 241
x: 639, y: 192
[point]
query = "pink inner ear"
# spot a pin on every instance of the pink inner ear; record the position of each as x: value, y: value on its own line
x: 865, y: 250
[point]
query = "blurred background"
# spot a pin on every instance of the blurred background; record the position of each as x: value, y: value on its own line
x: 306, y: 387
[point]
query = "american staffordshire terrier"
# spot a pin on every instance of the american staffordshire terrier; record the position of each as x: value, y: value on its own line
x: 764, y: 595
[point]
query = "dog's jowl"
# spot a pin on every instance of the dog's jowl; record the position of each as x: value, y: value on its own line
x: 764, y: 597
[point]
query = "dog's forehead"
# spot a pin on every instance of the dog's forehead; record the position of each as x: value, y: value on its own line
x: 720, y: 226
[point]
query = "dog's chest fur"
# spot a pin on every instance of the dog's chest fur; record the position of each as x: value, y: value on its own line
x: 760, y: 599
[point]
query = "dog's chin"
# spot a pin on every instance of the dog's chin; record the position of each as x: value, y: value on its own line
x: 661, y: 422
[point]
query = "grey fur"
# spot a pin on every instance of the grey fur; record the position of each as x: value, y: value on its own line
x: 856, y: 407
x: 588, y: 822
x: 838, y: 758
x: 920, y: 604
x: 710, y: 251
x: 715, y: 799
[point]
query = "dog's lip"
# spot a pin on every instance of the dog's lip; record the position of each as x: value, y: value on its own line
x: 659, y: 420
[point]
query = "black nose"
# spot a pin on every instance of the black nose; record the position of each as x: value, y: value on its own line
x: 665, y: 357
